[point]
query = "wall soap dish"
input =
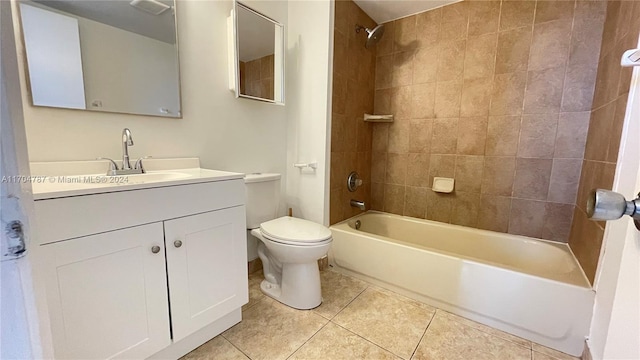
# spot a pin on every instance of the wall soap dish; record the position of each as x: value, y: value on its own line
x: 442, y: 185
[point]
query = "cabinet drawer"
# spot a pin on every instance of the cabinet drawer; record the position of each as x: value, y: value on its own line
x: 71, y: 217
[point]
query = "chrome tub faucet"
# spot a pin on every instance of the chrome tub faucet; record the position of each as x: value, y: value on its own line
x: 358, y: 204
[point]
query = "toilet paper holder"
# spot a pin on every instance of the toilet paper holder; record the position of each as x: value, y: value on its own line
x: 604, y: 205
x: 311, y: 165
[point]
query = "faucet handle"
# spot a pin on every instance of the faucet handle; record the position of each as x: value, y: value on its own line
x: 139, y: 165
x: 113, y: 167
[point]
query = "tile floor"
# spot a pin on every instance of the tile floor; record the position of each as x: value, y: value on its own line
x: 361, y: 321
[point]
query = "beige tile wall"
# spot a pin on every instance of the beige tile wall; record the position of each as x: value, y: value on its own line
x: 496, y: 94
x: 603, y: 140
x: 353, y: 89
x: 256, y: 77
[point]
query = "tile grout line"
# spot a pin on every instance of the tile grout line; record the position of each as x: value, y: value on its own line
x: 522, y: 112
x: 311, y: 337
x: 400, y: 297
x: 329, y: 321
x: 424, y: 333
x: 352, y: 300
x: 367, y: 340
x: 234, y: 345
x: 530, y: 347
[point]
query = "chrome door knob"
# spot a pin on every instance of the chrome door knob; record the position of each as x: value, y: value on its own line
x: 155, y: 249
x: 607, y: 205
x: 177, y: 243
x: 603, y: 205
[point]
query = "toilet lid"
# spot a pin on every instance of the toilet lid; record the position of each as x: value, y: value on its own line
x: 295, y: 230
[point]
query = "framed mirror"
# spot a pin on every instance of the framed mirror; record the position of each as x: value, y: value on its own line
x: 258, y: 56
x: 103, y: 55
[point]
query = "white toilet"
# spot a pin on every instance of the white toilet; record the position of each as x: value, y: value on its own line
x: 289, y: 247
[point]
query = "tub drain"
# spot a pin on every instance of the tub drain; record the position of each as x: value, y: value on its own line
x: 358, y: 224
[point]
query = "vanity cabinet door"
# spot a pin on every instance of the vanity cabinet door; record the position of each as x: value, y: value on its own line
x: 107, y: 294
x: 206, y: 267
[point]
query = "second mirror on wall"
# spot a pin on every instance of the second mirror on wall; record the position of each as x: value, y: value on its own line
x: 258, y: 56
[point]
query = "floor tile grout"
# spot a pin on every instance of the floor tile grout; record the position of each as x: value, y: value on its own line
x: 349, y: 303
x: 423, y: 334
x: 311, y: 337
x: 529, y: 347
x: 367, y: 340
x: 234, y: 345
x: 446, y: 315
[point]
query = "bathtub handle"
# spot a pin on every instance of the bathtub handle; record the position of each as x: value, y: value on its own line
x: 353, y: 181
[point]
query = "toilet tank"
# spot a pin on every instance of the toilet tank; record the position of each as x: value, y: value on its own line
x: 262, y: 198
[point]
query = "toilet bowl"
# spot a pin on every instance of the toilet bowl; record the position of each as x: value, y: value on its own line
x: 289, y: 249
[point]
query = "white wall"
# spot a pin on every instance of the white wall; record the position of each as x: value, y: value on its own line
x: 147, y: 70
x: 615, y: 328
x: 225, y: 132
x: 308, y: 69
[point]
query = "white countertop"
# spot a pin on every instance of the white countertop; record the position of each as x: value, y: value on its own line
x: 66, y: 179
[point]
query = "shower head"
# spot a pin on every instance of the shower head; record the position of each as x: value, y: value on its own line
x: 373, y: 36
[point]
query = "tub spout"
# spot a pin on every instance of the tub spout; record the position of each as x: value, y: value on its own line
x: 359, y: 204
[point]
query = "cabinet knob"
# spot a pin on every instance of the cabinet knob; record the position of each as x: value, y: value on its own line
x: 177, y: 243
x: 155, y: 249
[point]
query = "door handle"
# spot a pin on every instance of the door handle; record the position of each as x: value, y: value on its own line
x: 604, y: 205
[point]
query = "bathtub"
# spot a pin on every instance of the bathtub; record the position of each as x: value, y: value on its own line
x: 530, y: 288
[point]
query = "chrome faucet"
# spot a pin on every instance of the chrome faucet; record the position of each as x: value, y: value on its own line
x: 127, y: 141
x: 359, y: 204
x: 126, y: 168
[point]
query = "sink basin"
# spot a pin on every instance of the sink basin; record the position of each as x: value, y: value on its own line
x: 147, y: 178
x: 77, y: 178
x: 93, y: 181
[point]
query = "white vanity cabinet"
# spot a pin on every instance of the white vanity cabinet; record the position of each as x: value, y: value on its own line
x: 201, y: 248
x: 107, y: 294
x: 143, y: 273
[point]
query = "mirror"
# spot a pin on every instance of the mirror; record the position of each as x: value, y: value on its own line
x: 103, y: 55
x: 259, y: 59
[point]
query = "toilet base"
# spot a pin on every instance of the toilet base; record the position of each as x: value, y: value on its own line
x: 300, y: 287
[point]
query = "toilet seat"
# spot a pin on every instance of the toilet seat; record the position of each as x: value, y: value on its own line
x: 293, y: 231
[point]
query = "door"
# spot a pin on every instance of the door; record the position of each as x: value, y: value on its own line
x: 107, y: 294
x: 206, y: 267
x: 615, y: 328
x: 24, y: 330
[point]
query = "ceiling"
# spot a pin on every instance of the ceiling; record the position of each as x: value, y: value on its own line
x: 382, y: 11
x: 120, y: 14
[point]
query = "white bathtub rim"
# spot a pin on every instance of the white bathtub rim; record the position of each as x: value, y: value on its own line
x: 337, y: 227
x: 443, y: 305
x: 460, y: 258
x: 461, y: 227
